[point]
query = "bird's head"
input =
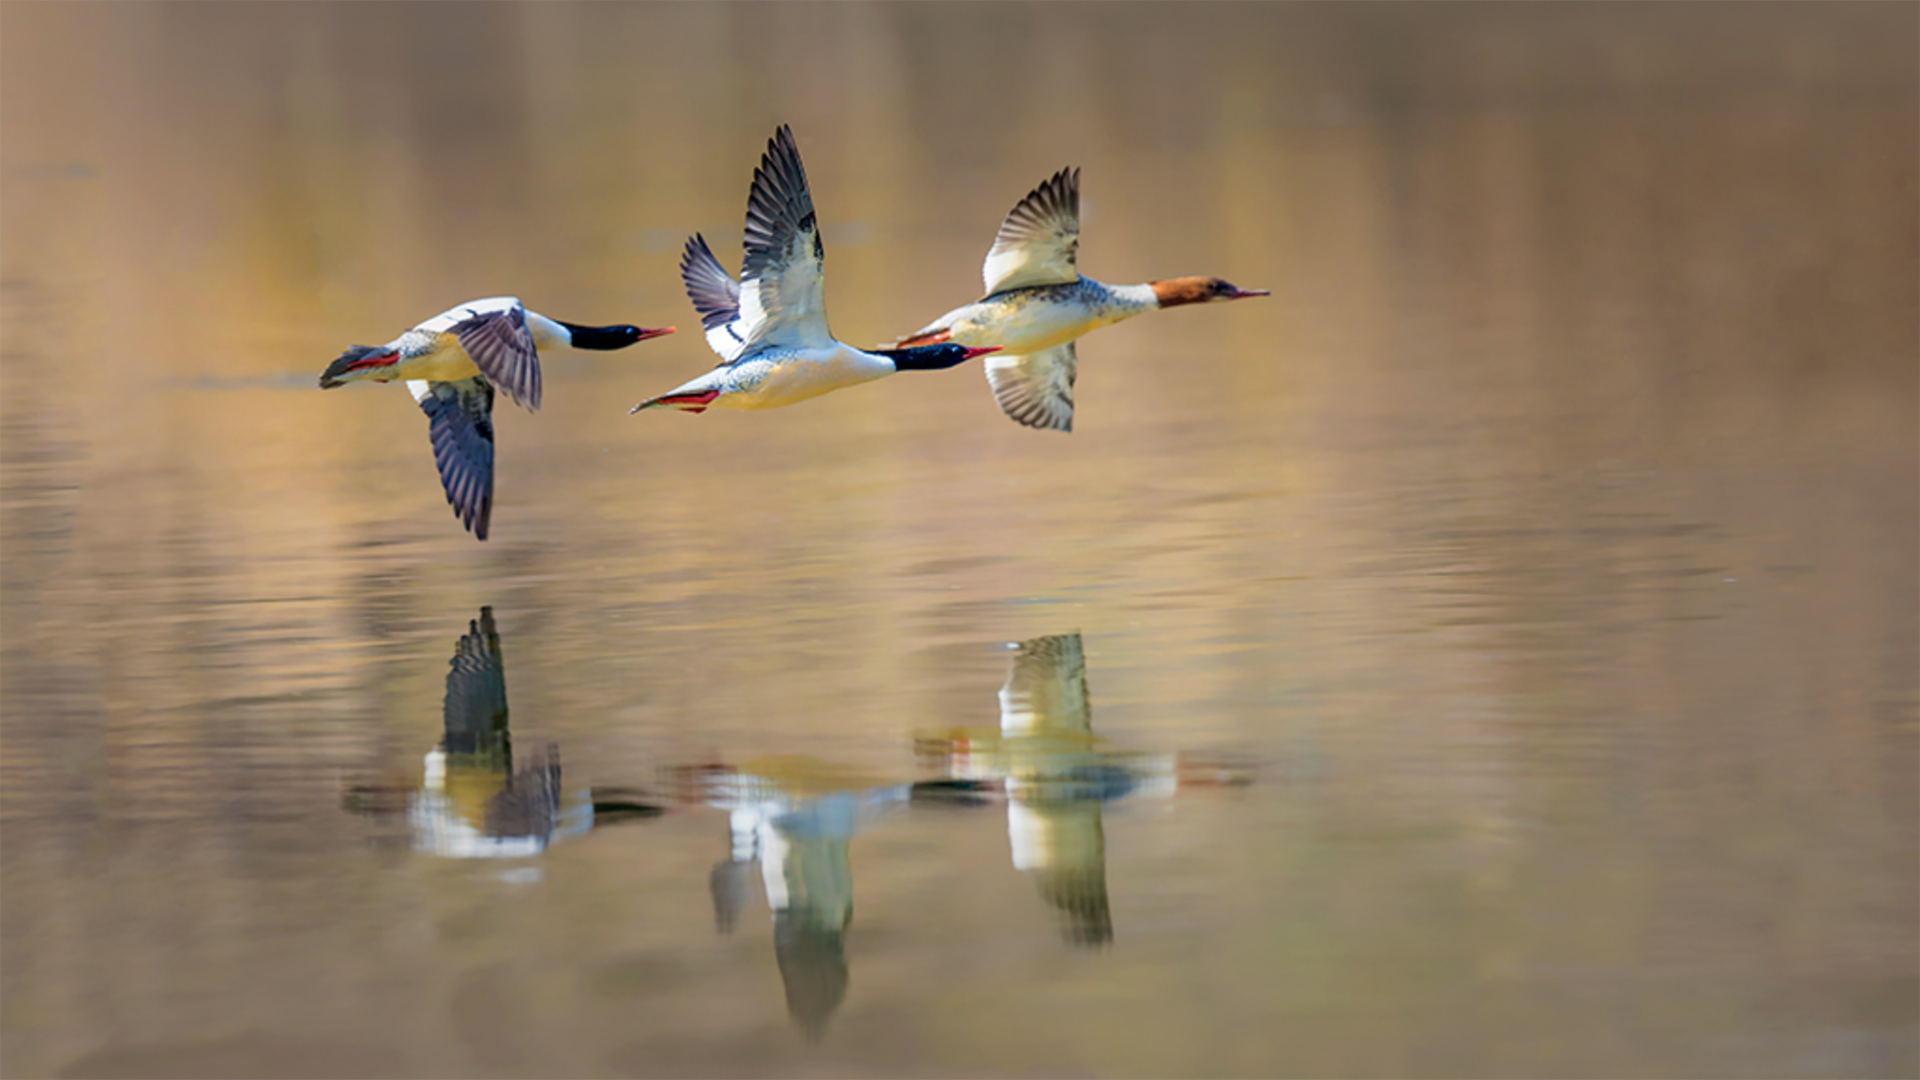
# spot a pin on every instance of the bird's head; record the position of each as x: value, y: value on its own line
x: 1199, y: 290
x: 611, y: 337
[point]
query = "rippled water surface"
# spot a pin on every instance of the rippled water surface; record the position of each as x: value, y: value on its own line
x: 1492, y: 654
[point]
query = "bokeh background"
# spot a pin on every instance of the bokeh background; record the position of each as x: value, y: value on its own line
x: 1543, y: 549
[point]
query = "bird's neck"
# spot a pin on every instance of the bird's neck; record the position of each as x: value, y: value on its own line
x: 923, y: 357
x: 1129, y: 300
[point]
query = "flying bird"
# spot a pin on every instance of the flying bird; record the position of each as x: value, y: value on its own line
x: 1037, y: 304
x: 452, y: 363
x: 770, y: 327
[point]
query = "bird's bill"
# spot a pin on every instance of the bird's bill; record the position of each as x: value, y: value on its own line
x: 1241, y: 294
x: 647, y: 335
x: 973, y: 352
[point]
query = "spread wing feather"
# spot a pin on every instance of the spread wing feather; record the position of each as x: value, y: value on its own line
x: 781, y: 299
x: 476, y: 702
x: 716, y: 296
x: 1047, y: 689
x: 1039, y: 242
x: 1035, y: 389
x: 501, y: 346
x: 460, y: 423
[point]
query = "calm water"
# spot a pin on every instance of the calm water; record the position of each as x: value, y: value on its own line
x: 1493, y: 654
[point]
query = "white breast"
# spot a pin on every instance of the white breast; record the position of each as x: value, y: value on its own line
x: 546, y: 333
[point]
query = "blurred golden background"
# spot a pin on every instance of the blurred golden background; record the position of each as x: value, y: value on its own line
x: 1548, y: 536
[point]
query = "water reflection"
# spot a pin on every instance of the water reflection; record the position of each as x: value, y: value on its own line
x: 472, y: 800
x: 791, y: 820
x: 1057, y: 777
x: 794, y: 819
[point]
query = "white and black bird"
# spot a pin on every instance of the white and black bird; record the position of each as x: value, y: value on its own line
x: 770, y: 327
x: 452, y: 363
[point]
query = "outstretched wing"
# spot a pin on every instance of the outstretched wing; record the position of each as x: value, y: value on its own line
x: 476, y: 703
x: 1046, y: 692
x: 501, y: 346
x: 1039, y: 242
x: 781, y: 301
x: 716, y: 296
x: 1035, y: 389
x: 460, y: 423
x: 1062, y: 845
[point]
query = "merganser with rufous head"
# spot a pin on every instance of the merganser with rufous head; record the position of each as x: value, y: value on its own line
x: 452, y: 362
x: 1037, y: 304
x: 770, y: 327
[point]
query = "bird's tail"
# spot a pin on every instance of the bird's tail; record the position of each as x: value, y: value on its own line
x: 678, y: 399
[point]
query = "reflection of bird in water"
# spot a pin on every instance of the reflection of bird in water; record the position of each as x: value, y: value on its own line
x: 1056, y: 783
x: 472, y: 801
x: 1037, y: 304
x: 1058, y: 776
x: 794, y: 818
x: 770, y: 328
x: 452, y: 362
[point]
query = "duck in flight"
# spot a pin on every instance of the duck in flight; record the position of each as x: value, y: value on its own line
x: 452, y: 362
x: 770, y: 327
x: 1037, y: 304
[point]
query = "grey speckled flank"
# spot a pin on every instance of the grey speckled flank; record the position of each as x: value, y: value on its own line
x: 417, y: 343
x: 1097, y: 297
x: 1098, y: 303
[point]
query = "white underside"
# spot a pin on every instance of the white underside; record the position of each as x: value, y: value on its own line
x: 787, y: 378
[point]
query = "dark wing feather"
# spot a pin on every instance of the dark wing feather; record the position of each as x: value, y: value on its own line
x: 781, y: 297
x: 529, y: 805
x: 1039, y: 242
x: 715, y: 295
x: 501, y: 346
x: 476, y: 703
x: 460, y: 423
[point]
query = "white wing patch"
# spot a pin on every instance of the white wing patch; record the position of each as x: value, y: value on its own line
x: 492, y: 305
x: 1039, y: 242
x: 1035, y: 389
